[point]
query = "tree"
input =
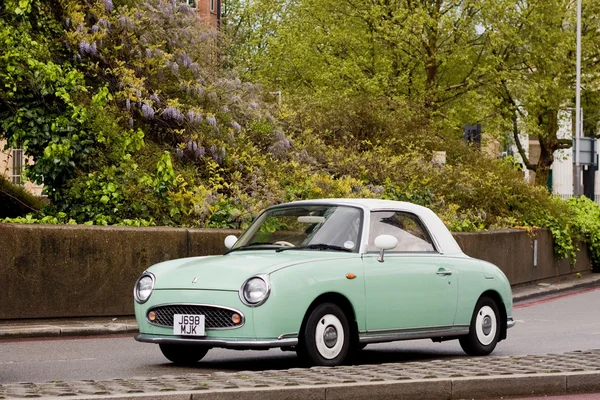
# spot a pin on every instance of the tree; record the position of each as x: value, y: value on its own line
x: 418, y: 57
x: 533, y: 43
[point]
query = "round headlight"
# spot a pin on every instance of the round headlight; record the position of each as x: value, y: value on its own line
x: 144, y: 287
x: 254, y: 291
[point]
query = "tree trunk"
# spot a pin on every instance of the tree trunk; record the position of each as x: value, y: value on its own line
x: 548, y: 121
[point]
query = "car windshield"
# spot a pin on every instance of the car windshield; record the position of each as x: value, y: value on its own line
x: 315, y: 227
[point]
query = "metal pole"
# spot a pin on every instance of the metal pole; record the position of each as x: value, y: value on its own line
x: 578, y: 119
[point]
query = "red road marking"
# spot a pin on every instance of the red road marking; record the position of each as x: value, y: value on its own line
x: 535, y: 303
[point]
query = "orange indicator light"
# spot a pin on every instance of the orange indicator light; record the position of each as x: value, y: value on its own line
x: 236, y: 318
x: 152, y: 316
x: 350, y: 276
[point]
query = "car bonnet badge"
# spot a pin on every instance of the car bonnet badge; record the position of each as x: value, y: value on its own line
x: 195, y: 280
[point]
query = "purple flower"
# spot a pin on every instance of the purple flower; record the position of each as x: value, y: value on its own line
x: 128, y: 104
x: 253, y: 105
x: 199, y: 91
x: 93, y: 49
x: 95, y: 28
x: 148, y: 53
x: 212, y: 121
x: 108, y: 5
x: 131, y: 122
x: 147, y: 111
x: 125, y: 22
x: 199, y: 152
x: 195, y: 68
x: 84, y: 47
x: 236, y: 126
x: 193, y: 117
x: 175, y: 67
x: 279, y: 135
x: 185, y: 60
x: 173, y: 113
x: 154, y: 97
x: 213, y: 149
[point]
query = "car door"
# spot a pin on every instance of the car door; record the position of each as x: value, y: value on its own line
x: 415, y: 286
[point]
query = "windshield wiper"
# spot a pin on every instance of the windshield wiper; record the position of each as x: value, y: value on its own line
x: 316, y: 246
x: 251, y: 246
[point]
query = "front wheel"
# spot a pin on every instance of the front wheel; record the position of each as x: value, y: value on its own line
x: 484, y: 330
x: 183, y: 355
x: 326, y: 337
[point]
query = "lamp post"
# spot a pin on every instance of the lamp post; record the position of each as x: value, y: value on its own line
x: 578, y: 121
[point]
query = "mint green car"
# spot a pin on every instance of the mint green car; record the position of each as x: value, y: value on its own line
x: 326, y: 278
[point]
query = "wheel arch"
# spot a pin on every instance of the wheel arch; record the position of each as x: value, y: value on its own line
x: 338, y: 299
x: 495, y: 296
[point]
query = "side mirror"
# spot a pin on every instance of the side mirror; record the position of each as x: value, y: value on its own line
x: 230, y: 241
x: 385, y: 242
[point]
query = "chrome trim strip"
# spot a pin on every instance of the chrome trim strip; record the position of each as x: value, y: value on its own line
x: 223, y: 343
x: 199, y: 305
x: 510, y: 323
x: 288, y: 336
x: 390, y: 335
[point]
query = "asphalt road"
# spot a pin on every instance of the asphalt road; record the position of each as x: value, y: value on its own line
x: 559, y: 325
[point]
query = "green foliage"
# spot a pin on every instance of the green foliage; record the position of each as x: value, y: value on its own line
x: 134, y: 114
x: 15, y: 200
x: 586, y: 224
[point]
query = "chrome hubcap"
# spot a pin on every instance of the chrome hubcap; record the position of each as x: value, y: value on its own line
x: 330, y: 336
x: 486, y: 325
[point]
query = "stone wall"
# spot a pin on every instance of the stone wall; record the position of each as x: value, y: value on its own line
x: 76, y: 271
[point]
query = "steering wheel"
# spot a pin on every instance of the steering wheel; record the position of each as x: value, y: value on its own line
x: 284, y: 243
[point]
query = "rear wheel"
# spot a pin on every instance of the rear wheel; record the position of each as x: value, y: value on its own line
x: 484, y: 331
x: 183, y: 355
x: 326, y: 337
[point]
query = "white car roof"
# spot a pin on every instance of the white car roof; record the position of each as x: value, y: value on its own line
x: 444, y: 240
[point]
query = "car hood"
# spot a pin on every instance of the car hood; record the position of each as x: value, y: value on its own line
x: 228, y: 272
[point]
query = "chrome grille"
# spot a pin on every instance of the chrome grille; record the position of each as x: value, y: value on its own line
x: 214, y: 317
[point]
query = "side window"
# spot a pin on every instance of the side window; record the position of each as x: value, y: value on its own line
x: 405, y: 227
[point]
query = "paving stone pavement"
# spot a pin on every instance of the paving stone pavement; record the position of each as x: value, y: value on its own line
x: 482, y: 367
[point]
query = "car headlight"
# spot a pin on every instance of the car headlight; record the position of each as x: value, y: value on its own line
x: 143, y: 287
x: 255, y: 291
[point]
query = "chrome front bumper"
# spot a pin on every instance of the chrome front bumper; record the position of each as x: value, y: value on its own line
x: 223, y: 343
x: 510, y: 323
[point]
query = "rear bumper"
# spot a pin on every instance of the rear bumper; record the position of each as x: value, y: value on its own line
x: 223, y: 343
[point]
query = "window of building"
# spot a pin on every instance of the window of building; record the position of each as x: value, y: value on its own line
x: 411, y: 235
x: 213, y: 6
x: 17, y: 166
x: 191, y: 3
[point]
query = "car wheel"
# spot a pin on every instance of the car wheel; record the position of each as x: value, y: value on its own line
x: 484, y: 330
x: 184, y: 355
x: 326, y: 337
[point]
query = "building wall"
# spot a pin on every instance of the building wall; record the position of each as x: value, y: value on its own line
x: 212, y: 17
x: 562, y: 168
x: 6, y: 169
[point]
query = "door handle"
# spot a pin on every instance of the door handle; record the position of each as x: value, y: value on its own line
x: 443, y: 272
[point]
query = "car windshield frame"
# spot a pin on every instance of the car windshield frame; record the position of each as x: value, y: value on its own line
x: 248, y: 239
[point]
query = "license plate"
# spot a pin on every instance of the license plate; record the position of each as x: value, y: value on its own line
x: 188, y: 325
